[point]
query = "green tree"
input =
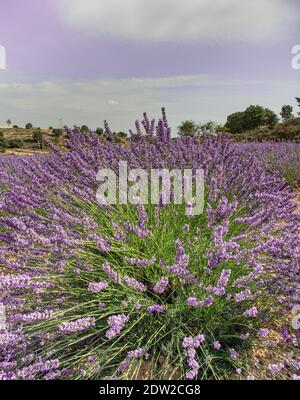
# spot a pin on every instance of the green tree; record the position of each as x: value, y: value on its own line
x: 15, y: 144
x: 270, y: 118
x: 118, y: 136
x: 57, y: 133
x: 28, y: 125
x: 99, y: 131
x: 286, y: 112
x: 38, y: 137
x: 298, y: 103
x: 84, y: 129
x: 3, y: 143
x: 253, y: 117
x: 235, y: 122
x: 188, y: 128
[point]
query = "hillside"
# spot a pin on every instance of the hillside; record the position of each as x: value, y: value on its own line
x: 289, y: 130
x: 20, y: 140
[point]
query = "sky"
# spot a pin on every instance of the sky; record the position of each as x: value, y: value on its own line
x: 83, y: 61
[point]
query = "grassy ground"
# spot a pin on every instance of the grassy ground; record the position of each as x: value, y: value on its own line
x: 30, y: 146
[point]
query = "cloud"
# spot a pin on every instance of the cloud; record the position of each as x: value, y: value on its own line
x: 112, y: 102
x: 172, y: 20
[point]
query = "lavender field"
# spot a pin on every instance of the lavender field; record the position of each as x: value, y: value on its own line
x: 146, y: 291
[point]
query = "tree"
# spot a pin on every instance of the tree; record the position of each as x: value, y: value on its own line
x: 188, y: 128
x: 15, y: 144
x: 8, y: 122
x: 57, y: 133
x: 38, y: 137
x: 235, y: 122
x: 3, y: 143
x: 298, y: 102
x: 84, y: 129
x: 28, y: 126
x: 286, y: 112
x: 118, y: 136
x: 253, y: 117
x: 99, y: 131
x: 270, y: 118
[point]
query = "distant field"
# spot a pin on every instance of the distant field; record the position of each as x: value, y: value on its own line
x: 29, y: 145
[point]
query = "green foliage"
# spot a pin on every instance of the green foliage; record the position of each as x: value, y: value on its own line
x: 253, y: 117
x: 38, y: 137
x: 28, y: 125
x: 298, y: 102
x: 235, y: 122
x: 286, y: 112
x: 57, y: 132
x: 289, y: 130
x: 119, y: 136
x: 3, y: 143
x: 99, y: 131
x: 188, y: 128
x: 84, y: 129
x: 15, y: 144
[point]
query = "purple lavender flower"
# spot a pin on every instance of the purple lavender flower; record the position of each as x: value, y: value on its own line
x: 275, y: 367
x: 116, y: 323
x: 263, y: 332
x: 111, y: 273
x: 252, y: 312
x: 186, y: 228
x: 217, y: 345
x: 134, y: 284
x: 97, y: 287
x: 233, y: 353
x: 161, y: 285
x: 245, y: 336
x: 81, y: 324
x: 155, y: 308
x: 141, y: 263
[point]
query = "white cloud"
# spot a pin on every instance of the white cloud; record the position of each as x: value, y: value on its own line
x: 156, y: 20
x: 112, y: 102
x: 197, y: 97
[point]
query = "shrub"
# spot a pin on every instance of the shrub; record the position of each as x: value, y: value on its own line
x: 3, y: 143
x: 100, y: 291
x: 250, y: 119
x: 38, y: 137
x: 28, y: 125
x: 15, y: 144
x: 84, y: 129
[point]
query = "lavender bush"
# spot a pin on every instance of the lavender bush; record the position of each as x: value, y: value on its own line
x: 146, y: 291
x: 278, y: 157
